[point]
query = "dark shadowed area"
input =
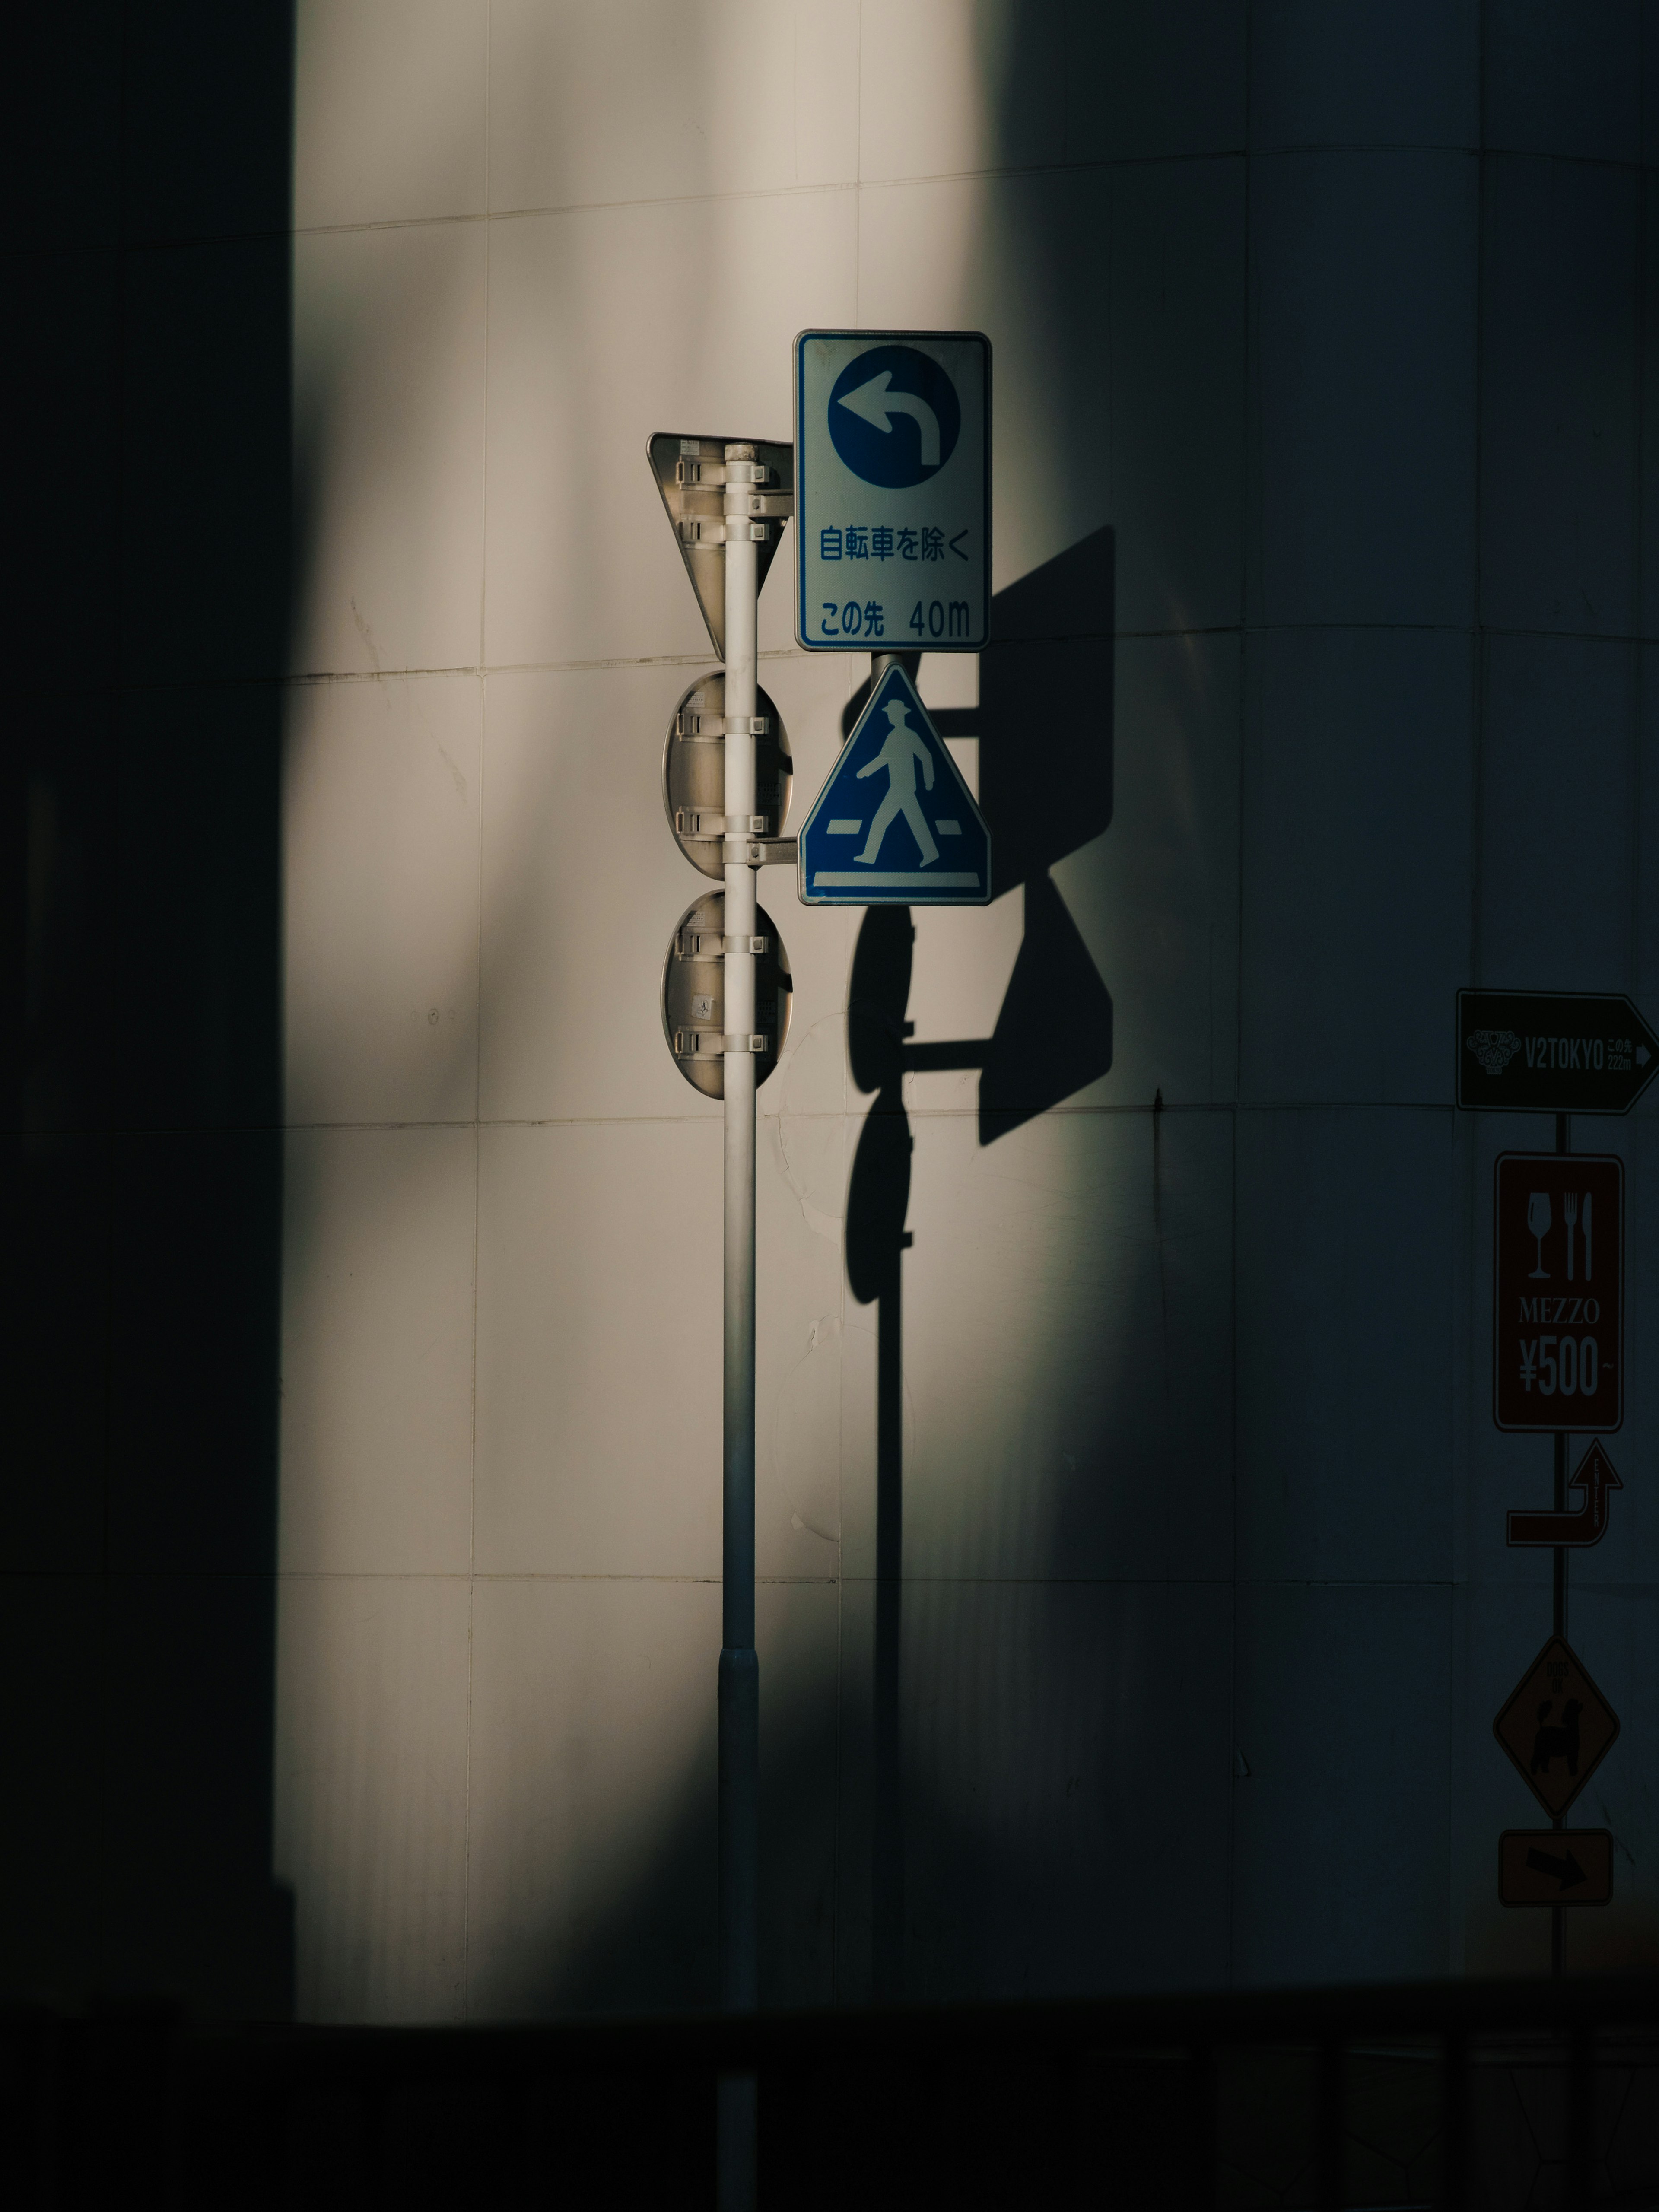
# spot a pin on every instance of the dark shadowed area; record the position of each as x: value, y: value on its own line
x: 147, y: 156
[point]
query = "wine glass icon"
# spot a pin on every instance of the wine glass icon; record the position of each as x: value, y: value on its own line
x: 1538, y: 1222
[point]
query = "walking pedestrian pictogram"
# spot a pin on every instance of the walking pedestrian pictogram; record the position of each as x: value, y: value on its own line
x: 901, y: 757
x: 895, y: 824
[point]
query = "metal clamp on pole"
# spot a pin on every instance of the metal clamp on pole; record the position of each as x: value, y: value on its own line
x: 698, y: 821
x: 696, y: 728
x: 778, y: 505
x: 696, y: 531
x: 715, y: 1044
x: 758, y: 852
x: 709, y: 944
x: 720, y: 474
x: 699, y: 1044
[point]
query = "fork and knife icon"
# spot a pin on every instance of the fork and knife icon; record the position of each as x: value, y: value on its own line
x: 1537, y: 1223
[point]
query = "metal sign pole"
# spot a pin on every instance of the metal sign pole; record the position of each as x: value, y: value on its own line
x: 713, y: 976
x: 740, y: 1676
x: 1562, y: 1144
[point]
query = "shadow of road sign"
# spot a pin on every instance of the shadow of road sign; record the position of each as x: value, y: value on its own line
x: 1044, y: 727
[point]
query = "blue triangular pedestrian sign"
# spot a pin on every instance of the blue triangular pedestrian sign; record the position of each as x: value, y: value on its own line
x: 895, y: 825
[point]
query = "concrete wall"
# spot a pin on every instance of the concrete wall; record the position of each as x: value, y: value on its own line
x: 1324, y: 495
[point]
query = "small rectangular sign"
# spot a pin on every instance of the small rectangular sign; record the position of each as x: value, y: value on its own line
x: 1557, y: 1291
x: 1555, y: 1866
x: 892, y: 490
x: 1552, y: 1052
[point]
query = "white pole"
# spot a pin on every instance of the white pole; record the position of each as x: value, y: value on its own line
x: 739, y: 1679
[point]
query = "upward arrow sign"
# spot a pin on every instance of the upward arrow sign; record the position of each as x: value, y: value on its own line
x: 1595, y: 1477
x: 877, y: 405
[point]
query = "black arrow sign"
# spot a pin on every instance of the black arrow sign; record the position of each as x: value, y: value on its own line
x: 1552, y: 1052
x: 1567, y: 1871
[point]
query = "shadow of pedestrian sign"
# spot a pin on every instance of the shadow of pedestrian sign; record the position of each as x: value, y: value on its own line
x: 895, y: 825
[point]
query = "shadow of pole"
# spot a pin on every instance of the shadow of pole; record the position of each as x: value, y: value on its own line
x: 1044, y: 728
x: 875, y: 1239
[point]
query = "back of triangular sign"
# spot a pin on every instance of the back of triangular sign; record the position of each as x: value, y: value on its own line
x: 689, y: 476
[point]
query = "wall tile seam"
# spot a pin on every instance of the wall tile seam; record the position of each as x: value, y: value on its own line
x: 774, y: 655
x: 104, y: 1131
x: 163, y: 242
x: 918, y: 1581
x: 298, y: 677
x: 1638, y: 167
x: 90, y: 249
x: 562, y: 209
x: 821, y: 189
x: 537, y: 1576
x: 1642, y: 165
x: 1476, y: 627
x: 180, y: 680
x: 478, y: 671
x: 506, y: 1122
x: 476, y: 1055
x: 1246, y: 1106
x: 1351, y: 1581
x: 1104, y: 1110
x: 1291, y: 148
x: 184, y: 241
x: 1076, y: 1109
x: 517, y: 1575
x: 106, y: 1573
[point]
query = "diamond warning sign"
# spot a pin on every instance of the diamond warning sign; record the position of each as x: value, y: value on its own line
x: 1556, y: 1727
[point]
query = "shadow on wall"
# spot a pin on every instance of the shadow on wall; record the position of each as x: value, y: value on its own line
x: 150, y: 162
x: 1044, y: 727
x: 1045, y: 696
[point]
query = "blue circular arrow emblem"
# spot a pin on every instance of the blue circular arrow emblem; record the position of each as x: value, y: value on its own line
x: 894, y: 416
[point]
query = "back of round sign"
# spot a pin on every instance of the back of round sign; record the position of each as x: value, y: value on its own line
x: 694, y: 772
x: 694, y: 995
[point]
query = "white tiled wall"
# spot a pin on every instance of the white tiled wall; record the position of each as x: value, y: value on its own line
x: 1199, y: 1499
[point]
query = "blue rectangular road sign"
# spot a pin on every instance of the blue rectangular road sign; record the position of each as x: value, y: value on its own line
x: 892, y: 490
x: 894, y: 824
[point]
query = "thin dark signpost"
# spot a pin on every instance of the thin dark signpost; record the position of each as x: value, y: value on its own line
x: 1558, y: 1368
